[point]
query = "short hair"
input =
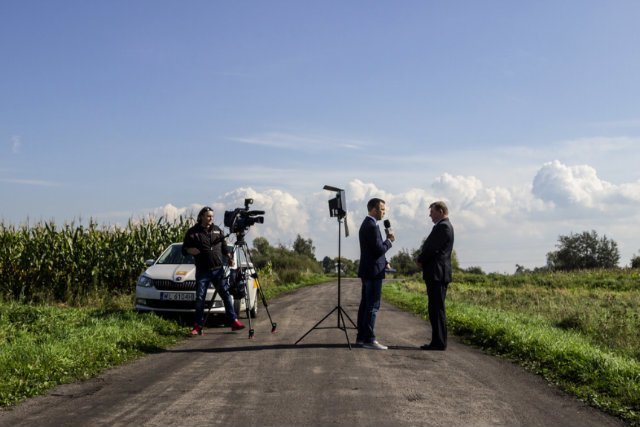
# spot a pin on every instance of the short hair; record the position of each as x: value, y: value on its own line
x: 441, y: 206
x: 374, y: 203
x: 203, y: 211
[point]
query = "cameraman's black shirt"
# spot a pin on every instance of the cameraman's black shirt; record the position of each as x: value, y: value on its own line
x: 211, y: 244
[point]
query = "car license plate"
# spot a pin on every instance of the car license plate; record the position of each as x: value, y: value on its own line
x: 177, y: 296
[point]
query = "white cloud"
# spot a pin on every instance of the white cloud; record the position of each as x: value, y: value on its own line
x: 172, y: 213
x: 565, y: 185
x: 580, y: 186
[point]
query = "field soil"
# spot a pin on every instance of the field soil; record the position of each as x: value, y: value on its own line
x: 223, y: 378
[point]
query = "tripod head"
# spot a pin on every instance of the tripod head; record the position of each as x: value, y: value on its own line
x: 240, y: 238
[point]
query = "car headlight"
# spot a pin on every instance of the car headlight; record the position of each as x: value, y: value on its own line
x: 145, y: 281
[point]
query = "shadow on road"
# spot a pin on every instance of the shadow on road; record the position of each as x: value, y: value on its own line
x: 278, y: 347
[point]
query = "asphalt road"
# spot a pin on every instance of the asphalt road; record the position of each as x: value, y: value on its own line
x: 223, y: 378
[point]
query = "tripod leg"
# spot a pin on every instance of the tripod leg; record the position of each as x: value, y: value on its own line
x: 345, y: 313
x: 344, y: 328
x: 254, y: 275
x: 274, y: 325
x: 213, y: 298
x: 247, y: 306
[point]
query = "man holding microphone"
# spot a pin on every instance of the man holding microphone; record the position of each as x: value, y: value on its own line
x: 371, y: 271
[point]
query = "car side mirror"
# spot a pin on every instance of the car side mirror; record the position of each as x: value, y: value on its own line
x: 149, y: 262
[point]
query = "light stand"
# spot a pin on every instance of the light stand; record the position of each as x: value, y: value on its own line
x: 337, y: 208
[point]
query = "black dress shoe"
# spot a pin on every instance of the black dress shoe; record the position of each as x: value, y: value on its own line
x: 432, y: 347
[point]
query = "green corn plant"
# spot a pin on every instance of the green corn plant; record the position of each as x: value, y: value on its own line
x: 44, y: 262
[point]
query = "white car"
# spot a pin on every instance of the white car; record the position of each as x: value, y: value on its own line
x: 169, y: 284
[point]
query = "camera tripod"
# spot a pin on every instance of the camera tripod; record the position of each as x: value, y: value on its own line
x: 244, y: 270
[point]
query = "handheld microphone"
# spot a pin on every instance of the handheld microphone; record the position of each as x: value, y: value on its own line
x: 387, y: 226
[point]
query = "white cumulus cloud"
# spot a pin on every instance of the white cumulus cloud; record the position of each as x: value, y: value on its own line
x: 580, y: 186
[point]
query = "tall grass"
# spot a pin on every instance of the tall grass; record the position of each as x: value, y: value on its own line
x: 603, y: 305
x: 71, y: 263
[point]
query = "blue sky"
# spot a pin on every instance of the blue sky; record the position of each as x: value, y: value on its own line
x: 523, y: 116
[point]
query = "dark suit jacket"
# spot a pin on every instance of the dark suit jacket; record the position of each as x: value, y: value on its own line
x: 435, y: 254
x: 372, y: 250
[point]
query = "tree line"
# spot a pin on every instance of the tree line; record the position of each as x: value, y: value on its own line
x: 576, y: 251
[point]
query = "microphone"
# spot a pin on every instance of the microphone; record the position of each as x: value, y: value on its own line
x: 387, y: 226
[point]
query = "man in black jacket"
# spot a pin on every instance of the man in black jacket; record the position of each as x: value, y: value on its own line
x: 206, y: 242
x: 371, y: 271
x: 435, y: 261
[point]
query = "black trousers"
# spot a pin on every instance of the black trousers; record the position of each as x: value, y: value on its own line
x: 436, y: 293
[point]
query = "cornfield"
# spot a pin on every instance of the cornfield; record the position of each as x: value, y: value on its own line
x: 67, y: 264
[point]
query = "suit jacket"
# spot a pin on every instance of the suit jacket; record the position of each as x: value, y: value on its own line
x: 435, y: 254
x: 372, y: 250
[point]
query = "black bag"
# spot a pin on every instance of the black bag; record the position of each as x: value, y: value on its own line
x: 237, y: 284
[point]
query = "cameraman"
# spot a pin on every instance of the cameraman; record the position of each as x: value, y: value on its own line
x: 206, y: 242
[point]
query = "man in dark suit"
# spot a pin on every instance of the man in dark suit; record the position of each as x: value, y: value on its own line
x: 371, y: 271
x: 435, y: 261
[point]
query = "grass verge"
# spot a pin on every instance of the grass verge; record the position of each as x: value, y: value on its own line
x: 42, y: 346
x: 602, y: 378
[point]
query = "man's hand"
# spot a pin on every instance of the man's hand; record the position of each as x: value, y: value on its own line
x: 193, y: 251
x: 232, y: 261
x: 390, y: 236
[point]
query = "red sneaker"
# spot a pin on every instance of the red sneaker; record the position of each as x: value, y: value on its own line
x: 197, y: 330
x: 237, y: 325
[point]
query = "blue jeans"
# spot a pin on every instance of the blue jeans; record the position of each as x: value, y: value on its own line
x: 215, y: 276
x: 368, y: 310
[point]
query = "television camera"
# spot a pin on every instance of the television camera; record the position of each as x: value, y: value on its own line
x: 240, y: 219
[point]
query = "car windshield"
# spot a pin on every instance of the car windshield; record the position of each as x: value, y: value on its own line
x: 173, y: 255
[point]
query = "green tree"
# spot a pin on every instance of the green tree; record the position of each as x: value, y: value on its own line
x: 261, y: 245
x: 635, y: 261
x: 328, y: 265
x: 404, y: 262
x: 583, y: 251
x: 304, y: 247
